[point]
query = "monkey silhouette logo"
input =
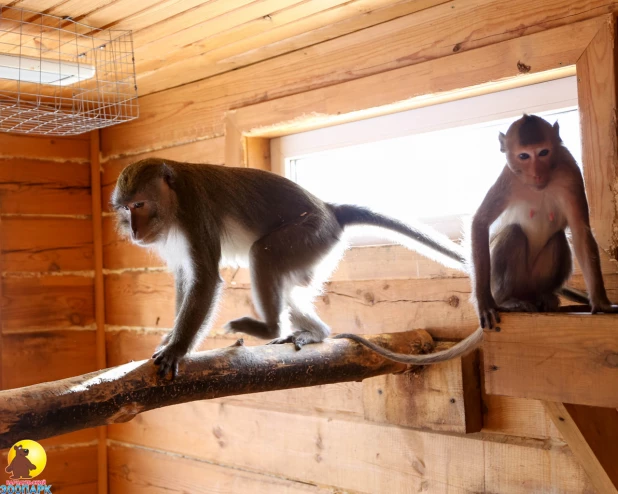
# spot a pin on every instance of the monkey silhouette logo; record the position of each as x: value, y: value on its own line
x: 26, y: 460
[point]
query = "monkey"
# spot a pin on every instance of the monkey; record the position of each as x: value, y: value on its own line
x: 521, y: 258
x: 200, y: 217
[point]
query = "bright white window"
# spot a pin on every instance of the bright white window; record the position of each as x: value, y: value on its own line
x: 433, y: 164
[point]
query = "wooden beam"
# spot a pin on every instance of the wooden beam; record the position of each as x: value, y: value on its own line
x: 592, y: 435
x: 257, y: 153
x: 119, y: 394
x: 564, y: 358
x: 550, y: 55
x: 445, y: 398
x: 596, y: 90
x: 234, y: 143
x: 99, y: 293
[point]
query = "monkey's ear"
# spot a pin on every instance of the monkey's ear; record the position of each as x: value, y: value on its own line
x: 168, y: 175
x: 557, y: 131
x: 502, y: 138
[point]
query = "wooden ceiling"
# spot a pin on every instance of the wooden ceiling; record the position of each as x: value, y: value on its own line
x: 181, y: 41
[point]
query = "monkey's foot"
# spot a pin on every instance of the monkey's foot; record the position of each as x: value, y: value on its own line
x: 516, y: 305
x: 299, y: 338
x: 252, y: 327
x: 167, y: 359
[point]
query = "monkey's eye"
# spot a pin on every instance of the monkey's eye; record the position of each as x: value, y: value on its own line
x: 544, y: 152
x: 138, y: 205
x: 524, y: 156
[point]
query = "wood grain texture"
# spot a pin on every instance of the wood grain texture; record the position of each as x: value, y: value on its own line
x: 453, y: 38
x: 28, y: 186
x: 69, y: 471
x: 554, y: 358
x: 142, y: 471
x: 370, y: 458
x: 47, y: 244
x: 116, y: 395
x: 146, y: 299
x: 441, y: 398
x: 596, y: 89
x: 458, y: 76
x: 503, y: 416
x: 45, y: 148
x: 47, y: 302
x: 427, y: 35
x: 592, y: 435
x: 35, y: 357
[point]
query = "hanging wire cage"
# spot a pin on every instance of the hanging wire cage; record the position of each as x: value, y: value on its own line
x: 60, y: 77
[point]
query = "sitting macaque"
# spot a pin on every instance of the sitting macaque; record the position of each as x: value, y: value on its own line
x: 520, y: 253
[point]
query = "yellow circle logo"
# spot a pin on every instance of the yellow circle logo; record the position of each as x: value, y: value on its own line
x: 27, y: 459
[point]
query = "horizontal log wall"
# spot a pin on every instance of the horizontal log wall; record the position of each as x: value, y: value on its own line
x: 47, y: 313
x: 323, y: 439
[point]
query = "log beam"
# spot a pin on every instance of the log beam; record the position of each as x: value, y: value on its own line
x: 118, y: 394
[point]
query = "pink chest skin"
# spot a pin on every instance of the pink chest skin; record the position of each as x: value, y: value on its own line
x: 551, y: 215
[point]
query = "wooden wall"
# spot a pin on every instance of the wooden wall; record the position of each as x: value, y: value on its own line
x: 323, y: 439
x: 47, y: 311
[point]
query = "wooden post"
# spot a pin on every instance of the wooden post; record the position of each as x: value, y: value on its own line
x: 118, y: 394
x: 99, y: 292
x: 592, y: 435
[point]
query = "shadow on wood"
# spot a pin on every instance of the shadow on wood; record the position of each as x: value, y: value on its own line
x: 118, y: 394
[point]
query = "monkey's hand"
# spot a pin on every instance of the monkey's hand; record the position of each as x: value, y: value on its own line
x: 603, y: 306
x: 488, y: 312
x: 167, y: 359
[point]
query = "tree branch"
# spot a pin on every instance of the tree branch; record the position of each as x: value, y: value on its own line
x: 120, y: 393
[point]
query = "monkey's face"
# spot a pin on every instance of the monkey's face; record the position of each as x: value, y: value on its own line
x: 530, y: 145
x: 142, y: 217
x: 532, y: 164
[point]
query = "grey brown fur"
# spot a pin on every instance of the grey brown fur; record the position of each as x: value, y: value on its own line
x: 196, y: 215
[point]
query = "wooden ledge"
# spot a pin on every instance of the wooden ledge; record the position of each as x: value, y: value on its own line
x: 567, y: 358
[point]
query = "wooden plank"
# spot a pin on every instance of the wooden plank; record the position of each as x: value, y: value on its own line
x: 234, y: 143
x: 519, y: 417
x: 554, y: 357
x: 258, y: 153
x: 596, y: 90
x: 167, y: 118
x: 30, y: 186
x: 49, y: 355
x: 490, y: 68
x: 99, y: 296
x: 69, y: 471
x: 47, y: 244
x: 44, y: 148
x: 232, y: 49
x: 146, y: 299
x: 592, y: 435
x: 205, y: 151
x: 441, y: 398
x: 47, y: 302
x: 142, y: 471
x: 369, y: 457
x: 440, y: 17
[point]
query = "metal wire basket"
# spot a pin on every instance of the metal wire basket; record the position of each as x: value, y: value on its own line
x: 61, y: 77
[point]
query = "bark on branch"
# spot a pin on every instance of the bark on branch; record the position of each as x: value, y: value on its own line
x: 118, y: 394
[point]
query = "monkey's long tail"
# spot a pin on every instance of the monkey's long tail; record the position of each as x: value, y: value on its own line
x: 348, y: 215
x: 463, y: 347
